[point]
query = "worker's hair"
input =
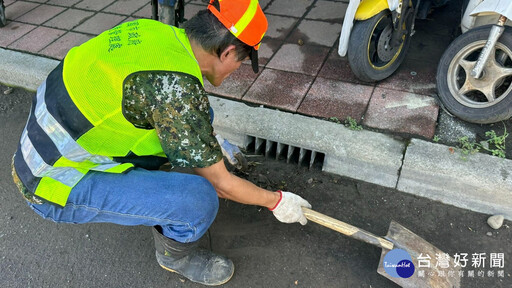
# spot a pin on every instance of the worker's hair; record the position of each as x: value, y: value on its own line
x: 205, y: 29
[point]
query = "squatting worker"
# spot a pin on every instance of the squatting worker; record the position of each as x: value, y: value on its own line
x: 127, y: 101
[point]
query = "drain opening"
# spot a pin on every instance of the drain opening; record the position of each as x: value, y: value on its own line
x: 281, y: 151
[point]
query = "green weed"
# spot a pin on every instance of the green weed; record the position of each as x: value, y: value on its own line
x: 351, y: 123
x: 334, y: 119
x: 494, y: 144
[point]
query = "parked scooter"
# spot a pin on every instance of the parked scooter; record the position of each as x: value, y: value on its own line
x: 474, y: 76
x: 171, y: 12
x: 379, y: 38
x: 3, y: 21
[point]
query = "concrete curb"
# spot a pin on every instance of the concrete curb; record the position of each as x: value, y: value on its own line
x: 362, y: 155
x: 24, y: 70
x: 482, y: 183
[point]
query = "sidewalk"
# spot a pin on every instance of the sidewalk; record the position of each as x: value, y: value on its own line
x: 313, y: 79
x: 306, y: 82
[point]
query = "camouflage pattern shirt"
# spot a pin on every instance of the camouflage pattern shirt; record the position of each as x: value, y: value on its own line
x: 177, y: 107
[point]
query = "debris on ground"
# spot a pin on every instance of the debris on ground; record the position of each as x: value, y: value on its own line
x: 495, y: 221
x: 8, y: 90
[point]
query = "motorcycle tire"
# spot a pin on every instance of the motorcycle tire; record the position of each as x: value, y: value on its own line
x: 369, y: 55
x: 3, y: 20
x: 487, y: 99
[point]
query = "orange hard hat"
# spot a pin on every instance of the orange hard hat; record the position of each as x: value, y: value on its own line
x: 245, y: 20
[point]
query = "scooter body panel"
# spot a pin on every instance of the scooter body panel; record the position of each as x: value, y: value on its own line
x: 501, y: 7
x: 369, y: 8
x: 484, y: 12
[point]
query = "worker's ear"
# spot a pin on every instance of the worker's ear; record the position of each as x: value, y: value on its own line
x: 229, y: 52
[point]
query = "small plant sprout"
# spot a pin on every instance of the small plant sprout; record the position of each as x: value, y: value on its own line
x: 494, y: 144
x: 351, y: 123
x: 334, y: 119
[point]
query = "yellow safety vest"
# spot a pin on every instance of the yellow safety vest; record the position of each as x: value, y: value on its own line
x: 77, y: 124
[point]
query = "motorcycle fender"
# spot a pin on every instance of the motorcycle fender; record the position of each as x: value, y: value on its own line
x: 348, y: 22
x: 369, y: 8
x: 502, y: 7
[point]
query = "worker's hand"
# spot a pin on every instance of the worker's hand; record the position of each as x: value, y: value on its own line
x: 232, y: 153
x: 289, y: 208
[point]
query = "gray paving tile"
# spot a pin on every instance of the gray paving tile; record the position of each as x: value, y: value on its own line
x: 279, y: 89
x: 99, y: 23
x: 306, y: 59
x: 69, y: 19
x: 144, y: 12
x: 13, y: 31
x: 413, y: 76
x: 328, y: 11
x: 316, y: 32
x: 332, y: 98
x: 37, y: 39
x: 8, y: 2
x: 125, y: 7
x: 61, y: 46
x: 19, y: 8
x: 65, y: 3
x: 402, y: 112
x: 267, y: 49
x: 95, y: 5
x: 337, y: 68
x: 279, y: 26
x: 294, y: 8
x: 191, y: 10
x: 40, y: 14
x: 236, y: 84
x: 264, y: 3
x: 129, y: 19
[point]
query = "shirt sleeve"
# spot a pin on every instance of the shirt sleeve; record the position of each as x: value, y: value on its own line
x: 177, y: 107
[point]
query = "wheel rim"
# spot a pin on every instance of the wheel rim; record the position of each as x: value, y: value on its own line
x: 380, y: 53
x: 494, y: 84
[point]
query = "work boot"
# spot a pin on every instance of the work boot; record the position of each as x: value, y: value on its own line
x: 196, y: 264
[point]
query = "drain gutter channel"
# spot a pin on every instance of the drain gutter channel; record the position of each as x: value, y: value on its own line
x: 362, y: 155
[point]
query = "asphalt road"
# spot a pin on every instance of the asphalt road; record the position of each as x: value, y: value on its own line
x: 39, y: 253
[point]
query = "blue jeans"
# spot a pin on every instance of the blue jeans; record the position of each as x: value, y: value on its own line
x: 184, y: 205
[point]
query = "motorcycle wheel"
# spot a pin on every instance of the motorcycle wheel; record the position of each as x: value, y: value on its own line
x: 3, y: 20
x: 484, y: 100
x: 370, y: 55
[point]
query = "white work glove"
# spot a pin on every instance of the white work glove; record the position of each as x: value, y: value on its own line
x: 289, y: 208
x: 232, y: 153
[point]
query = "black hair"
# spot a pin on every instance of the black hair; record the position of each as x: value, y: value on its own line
x: 210, y: 33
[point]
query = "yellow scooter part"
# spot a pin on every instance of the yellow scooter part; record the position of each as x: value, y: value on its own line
x: 369, y: 8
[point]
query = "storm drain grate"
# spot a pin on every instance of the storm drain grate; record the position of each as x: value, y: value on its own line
x: 279, y: 151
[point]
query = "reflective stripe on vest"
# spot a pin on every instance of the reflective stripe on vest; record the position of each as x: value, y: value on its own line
x: 76, y: 123
x: 61, y: 138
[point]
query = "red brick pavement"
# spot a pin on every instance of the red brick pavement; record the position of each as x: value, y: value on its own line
x: 301, y: 71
